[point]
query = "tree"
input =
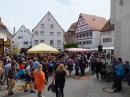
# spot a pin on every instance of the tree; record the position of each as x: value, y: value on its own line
x: 71, y: 45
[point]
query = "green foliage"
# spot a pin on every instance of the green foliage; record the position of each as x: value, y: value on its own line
x: 71, y: 45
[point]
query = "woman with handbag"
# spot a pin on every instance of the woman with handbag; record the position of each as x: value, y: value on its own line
x: 59, y: 78
x: 40, y: 81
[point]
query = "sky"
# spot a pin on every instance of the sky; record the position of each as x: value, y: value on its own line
x: 15, y: 13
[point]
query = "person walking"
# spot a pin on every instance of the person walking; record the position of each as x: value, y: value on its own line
x: 59, y: 78
x: 98, y: 66
x: 28, y: 78
x: 12, y: 79
x: 6, y: 70
x: 120, y: 73
x: 70, y: 65
x: 45, y: 68
x: 40, y: 80
x: 35, y: 64
x: 93, y: 62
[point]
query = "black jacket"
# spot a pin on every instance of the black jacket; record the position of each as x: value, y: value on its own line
x: 52, y: 87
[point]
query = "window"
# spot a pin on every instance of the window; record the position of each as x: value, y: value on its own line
x: 77, y: 36
x: 12, y: 41
x: 36, y: 33
x: 36, y: 42
x: 48, y: 19
x: 20, y: 37
x: 42, y: 25
x: 24, y: 31
x: 20, y: 30
x: 89, y: 42
x: 52, y: 26
x: 107, y: 40
x: 51, y: 42
x: 41, y: 33
x: 80, y: 35
x: 51, y: 33
x: 87, y: 34
x: 84, y: 42
x: 58, y: 34
x: 80, y: 43
x: 58, y: 42
x: 25, y: 43
x: 83, y: 34
x: 42, y: 41
x: 110, y: 39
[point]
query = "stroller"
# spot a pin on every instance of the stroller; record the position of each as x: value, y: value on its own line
x: 106, y: 73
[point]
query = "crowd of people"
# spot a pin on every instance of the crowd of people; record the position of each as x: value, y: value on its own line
x: 37, y: 68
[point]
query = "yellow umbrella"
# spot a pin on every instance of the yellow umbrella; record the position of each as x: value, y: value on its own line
x: 42, y: 48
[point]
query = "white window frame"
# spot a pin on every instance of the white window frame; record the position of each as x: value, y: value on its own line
x: 42, y: 26
x: 52, y: 42
x: 58, y: 33
x: 35, y: 33
x: 51, y: 26
x: 41, y: 33
x: 19, y: 37
x: 58, y: 42
x: 51, y: 33
x: 41, y: 41
x: 25, y: 43
x: 35, y: 42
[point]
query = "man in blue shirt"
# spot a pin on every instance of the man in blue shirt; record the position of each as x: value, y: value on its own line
x: 35, y: 64
x: 113, y: 64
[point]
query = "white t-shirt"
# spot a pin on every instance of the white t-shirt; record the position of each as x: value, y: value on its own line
x: 29, y: 69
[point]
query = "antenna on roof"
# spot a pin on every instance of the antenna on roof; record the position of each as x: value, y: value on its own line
x: 94, y: 17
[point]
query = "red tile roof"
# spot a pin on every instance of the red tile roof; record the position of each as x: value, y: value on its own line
x: 1, y: 24
x: 94, y: 22
x: 73, y: 26
x: 107, y: 27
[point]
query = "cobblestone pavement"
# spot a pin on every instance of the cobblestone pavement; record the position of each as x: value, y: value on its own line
x: 96, y: 87
x: 4, y: 91
x: 73, y: 88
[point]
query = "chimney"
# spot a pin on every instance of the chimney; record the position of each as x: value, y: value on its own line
x: 94, y: 17
x: 14, y: 31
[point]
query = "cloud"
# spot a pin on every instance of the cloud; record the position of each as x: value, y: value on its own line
x: 10, y: 22
x: 66, y: 12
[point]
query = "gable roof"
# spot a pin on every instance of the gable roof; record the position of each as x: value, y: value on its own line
x: 19, y: 29
x: 107, y: 27
x: 94, y: 22
x: 1, y: 24
x: 44, y: 17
